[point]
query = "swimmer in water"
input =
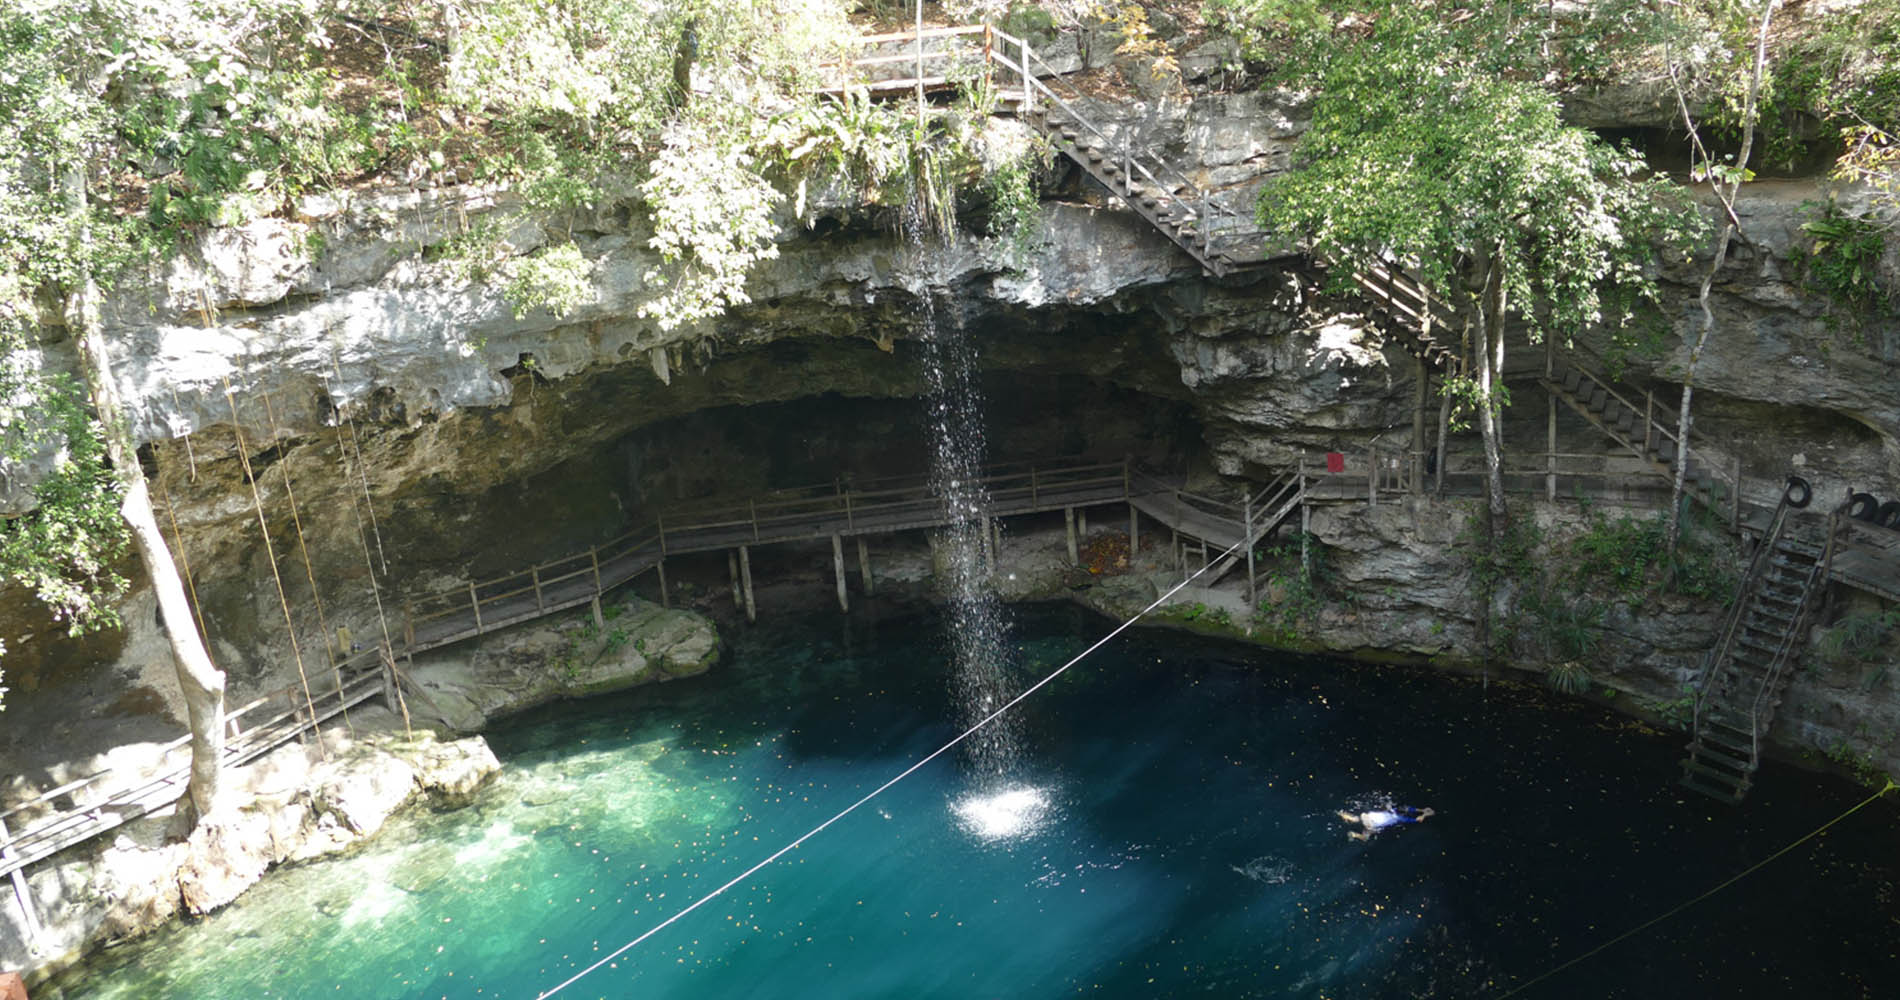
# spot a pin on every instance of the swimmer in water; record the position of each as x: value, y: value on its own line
x: 1378, y: 819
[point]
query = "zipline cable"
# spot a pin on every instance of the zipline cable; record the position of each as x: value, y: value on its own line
x: 1752, y: 869
x: 907, y: 772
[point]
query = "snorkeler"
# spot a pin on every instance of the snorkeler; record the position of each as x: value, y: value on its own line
x: 1378, y: 819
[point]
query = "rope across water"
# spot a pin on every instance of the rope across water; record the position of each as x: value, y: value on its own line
x: 1750, y: 870
x: 907, y: 772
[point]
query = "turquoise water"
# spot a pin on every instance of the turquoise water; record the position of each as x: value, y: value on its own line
x: 1170, y: 830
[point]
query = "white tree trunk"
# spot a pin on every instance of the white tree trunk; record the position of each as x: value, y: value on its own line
x: 200, y: 680
x: 1683, y: 419
x: 1490, y: 371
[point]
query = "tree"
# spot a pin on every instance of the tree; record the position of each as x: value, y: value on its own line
x: 1427, y: 146
x: 1726, y: 182
x: 59, y: 64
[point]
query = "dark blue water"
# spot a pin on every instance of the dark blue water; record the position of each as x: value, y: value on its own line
x: 1171, y: 832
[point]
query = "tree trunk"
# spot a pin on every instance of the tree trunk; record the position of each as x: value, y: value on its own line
x: 1673, y: 532
x: 1490, y: 371
x: 201, y: 681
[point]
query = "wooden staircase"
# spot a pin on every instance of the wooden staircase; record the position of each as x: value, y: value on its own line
x: 1218, y: 238
x: 1641, y: 430
x: 1207, y: 524
x: 1421, y: 322
x: 1747, y: 673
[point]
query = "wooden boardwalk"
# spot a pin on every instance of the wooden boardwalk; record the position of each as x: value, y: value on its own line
x: 875, y: 508
x: 81, y: 810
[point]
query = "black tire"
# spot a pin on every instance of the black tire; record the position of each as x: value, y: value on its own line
x: 1862, y: 506
x: 1888, y: 516
x: 1798, y: 493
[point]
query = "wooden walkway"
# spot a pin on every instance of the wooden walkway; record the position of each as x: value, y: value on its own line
x: 81, y: 810
x: 874, y: 508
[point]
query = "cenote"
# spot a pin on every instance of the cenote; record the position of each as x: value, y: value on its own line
x: 1170, y: 829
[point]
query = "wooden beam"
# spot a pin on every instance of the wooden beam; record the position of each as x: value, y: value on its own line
x: 22, y: 894
x: 864, y: 567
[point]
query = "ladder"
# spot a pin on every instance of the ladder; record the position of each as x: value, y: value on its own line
x: 1746, y: 674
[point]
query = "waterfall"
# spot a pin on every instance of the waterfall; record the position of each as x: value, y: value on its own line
x: 979, y: 624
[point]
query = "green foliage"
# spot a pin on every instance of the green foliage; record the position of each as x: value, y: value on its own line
x: 1859, y: 764
x: 1628, y: 558
x: 1676, y: 713
x: 1842, y: 69
x: 66, y: 548
x: 1014, y: 216
x: 1427, y: 146
x: 1860, y: 637
x: 557, y: 279
x: 1568, y: 678
x: 712, y: 220
x: 1295, y: 593
x: 1842, y: 262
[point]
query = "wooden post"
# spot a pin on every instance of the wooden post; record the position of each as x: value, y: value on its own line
x: 1444, y: 424
x: 1082, y: 522
x: 848, y: 523
x: 1306, y: 522
x: 389, y: 685
x: 665, y: 600
x: 745, y: 581
x: 837, y: 570
x: 1418, y: 425
x: 1068, y: 522
x: 474, y: 601
x: 600, y: 620
x: 1247, y: 539
x: 1177, y: 549
x: 732, y: 568
x: 753, y: 506
x: 22, y: 894
x: 593, y: 556
x: 1134, y: 534
x: 920, y: 67
x: 1029, y: 93
x: 535, y: 573
x: 864, y: 568
x: 1649, y: 409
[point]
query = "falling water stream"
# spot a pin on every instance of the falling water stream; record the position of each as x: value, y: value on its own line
x: 978, y: 622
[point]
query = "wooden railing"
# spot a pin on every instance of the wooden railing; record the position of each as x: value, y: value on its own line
x: 93, y: 807
x: 1767, y: 695
x: 876, y: 505
x: 1207, y: 219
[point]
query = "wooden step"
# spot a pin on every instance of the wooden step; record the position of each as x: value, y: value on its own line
x: 1737, y: 745
x: 1726, y: 764
x: 1721, y: 791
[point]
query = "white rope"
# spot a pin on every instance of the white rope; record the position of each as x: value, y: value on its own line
x: 907, y: 772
